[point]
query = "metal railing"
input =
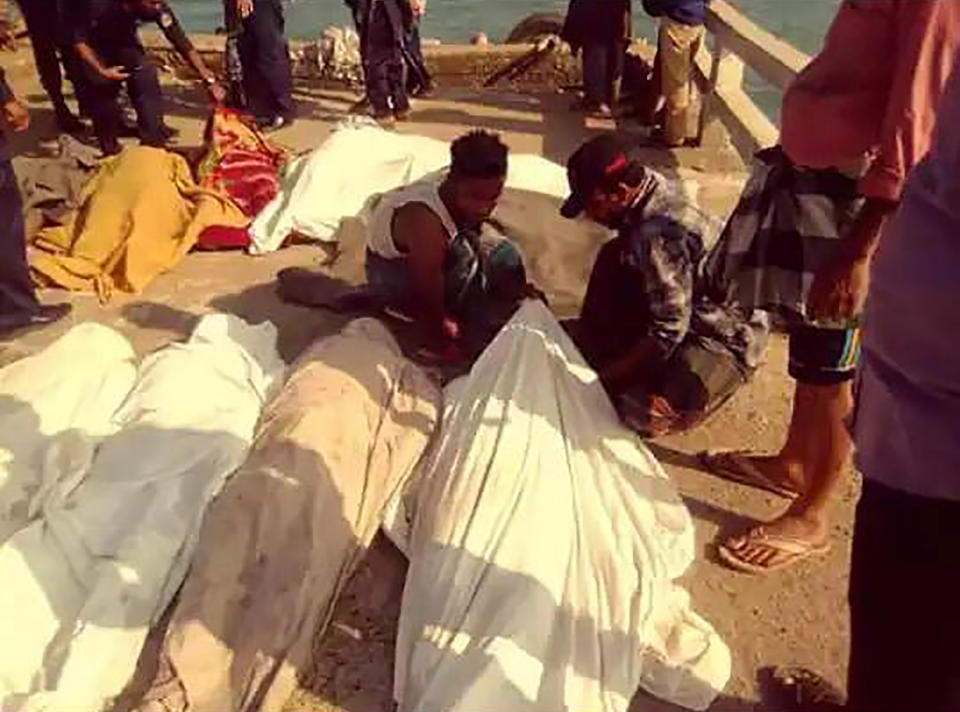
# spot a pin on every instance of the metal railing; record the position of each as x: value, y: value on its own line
x: 739, y: 42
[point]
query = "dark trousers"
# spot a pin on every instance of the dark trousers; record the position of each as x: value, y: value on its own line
x: 602, y: 71
x: 265, y: 58
x: 675, y: 395
x: 614, y: 315
x: 143, y: 86
x: 50, y: 48
x: 904, y: 603
x: 418, y: 78
x: 16, y: 290
x: 383, y: 58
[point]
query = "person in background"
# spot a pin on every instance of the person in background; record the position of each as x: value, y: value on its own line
x: 385, y: 30
x: 602, y: 31
x: 678, y: 40
x: 419, y: 81
x: 265, y: 58
x: 667, y: 354
x: 870, y: 98
x: 426, y: 251
x: 19, y: 307
x: 51, y: 48
x: 360, y: 11
x: 905, y: 575
x: 105, y: 37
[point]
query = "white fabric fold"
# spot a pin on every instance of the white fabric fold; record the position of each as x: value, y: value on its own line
x: 110, y: 541
x: 357, y: 161
x: 546, y: 541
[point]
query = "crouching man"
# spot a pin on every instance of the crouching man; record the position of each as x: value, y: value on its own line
x: 432, y: 253
x: 667, y: 353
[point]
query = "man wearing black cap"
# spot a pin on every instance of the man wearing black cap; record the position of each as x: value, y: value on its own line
x: 667, y: 353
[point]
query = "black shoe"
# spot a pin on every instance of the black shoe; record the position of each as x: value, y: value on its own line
x: 70, y: 124
x: 362, y: 106
x: 128, y: 127
x: 274, y: 123
x: 422, y: 92
x: 798, y: 690
x: 386, y: 119
x: 168, y: 132
x: 42, y: 316
x: 110, y: 147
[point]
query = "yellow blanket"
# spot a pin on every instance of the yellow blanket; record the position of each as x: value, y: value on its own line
x: 138, y: 216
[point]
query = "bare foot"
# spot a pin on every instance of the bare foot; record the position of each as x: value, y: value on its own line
x: 783, y: 542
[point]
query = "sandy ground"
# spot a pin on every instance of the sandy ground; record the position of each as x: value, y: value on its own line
x: 794, y: 617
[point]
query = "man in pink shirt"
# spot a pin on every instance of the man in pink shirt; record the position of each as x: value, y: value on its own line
x: 905, y: 576
x: 865, y: 106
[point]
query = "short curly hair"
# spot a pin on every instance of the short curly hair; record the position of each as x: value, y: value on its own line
x: 478, y: 154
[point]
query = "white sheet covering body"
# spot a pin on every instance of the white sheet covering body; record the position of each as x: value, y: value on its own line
x: 110, y: 542
x: 546, y: 540
x: 285, y: 534
x: 357, y: 161
x: 68, y: 392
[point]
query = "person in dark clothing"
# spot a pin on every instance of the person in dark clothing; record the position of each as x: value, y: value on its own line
x: 667, y: 353
x: 51, y: 48
x: 265, y: 59
x: 360, y: 10
x: 105, y: 37
x: 601, y: 30
x: 19, y: 307
x: 418, y: 79
x: 385, y: 30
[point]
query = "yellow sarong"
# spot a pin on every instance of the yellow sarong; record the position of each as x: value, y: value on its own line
x: 138, y: 216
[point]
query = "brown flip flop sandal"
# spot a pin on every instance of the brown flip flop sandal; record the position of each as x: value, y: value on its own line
x: 735, y: 466
x: 796, y: 550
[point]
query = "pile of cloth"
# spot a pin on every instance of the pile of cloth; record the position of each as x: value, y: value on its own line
x: 137, y: 218
x: 140, y: 212
x: 243, y: 164
x: 51, y: 185
x: 119, y: 488
x: 143, y: 210
x: 338, y: 55
x: 106, y: 469
x: 531, y: 450
x: 335, y: 445
x: 358, y: 161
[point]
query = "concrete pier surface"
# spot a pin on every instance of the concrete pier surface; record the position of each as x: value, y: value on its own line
x: 794, y: 617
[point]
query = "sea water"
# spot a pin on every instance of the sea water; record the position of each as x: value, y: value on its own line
x: 801, y: 22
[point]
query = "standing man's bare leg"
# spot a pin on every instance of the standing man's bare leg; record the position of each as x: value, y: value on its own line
x: 818, y: 434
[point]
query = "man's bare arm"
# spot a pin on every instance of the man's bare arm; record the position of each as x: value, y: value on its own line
x: 840, y: 290
x: 90, y: 57
x: 173, y: 31
x: 419, y: 233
